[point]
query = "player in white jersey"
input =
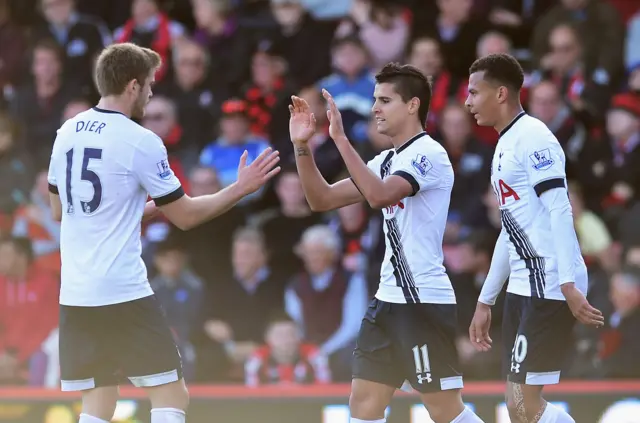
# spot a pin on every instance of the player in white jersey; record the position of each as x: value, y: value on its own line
x: 537, y: 248
x: 409, y: 330
x: 103, y: 168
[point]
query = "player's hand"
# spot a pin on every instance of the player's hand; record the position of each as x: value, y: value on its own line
x: 479, y: 329
x: 336, y: 127
x: 218, y: 331
x: 252, y: 177
x: 302, y: 123
x: 583, y: 311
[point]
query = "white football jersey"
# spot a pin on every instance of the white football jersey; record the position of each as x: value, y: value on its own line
x: 104, y: 166
x: 527, y: 162
x: 413, y: 270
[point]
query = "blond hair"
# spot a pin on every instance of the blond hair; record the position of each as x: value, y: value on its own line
x: 122, y: 63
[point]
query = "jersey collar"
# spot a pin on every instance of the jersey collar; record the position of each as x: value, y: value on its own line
x: 408, y: 143
x: 99, y: 110
x: 513, y: 122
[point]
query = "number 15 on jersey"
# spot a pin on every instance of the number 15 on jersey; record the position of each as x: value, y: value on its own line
x: 86, y: 175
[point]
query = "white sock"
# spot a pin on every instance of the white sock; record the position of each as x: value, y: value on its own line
x: 354, y: 420
x: 467, y: 416
x: 167, y: 415
x: 553, y: 414
x: 85, y: 418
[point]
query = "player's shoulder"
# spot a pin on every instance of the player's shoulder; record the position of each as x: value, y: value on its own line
x: 425, y: 146
x: 381, y: 157
x: 533, y: 134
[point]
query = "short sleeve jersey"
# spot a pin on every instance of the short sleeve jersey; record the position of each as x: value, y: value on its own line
x: 413, y: 270
x: 104, y: 166
x: 529, y: 161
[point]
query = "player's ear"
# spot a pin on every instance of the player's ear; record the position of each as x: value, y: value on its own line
x: 502, y: 94
x: 414, y: 105
x: 132, y: 86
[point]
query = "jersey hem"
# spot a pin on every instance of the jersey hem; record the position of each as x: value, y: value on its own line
x: 100, y: 303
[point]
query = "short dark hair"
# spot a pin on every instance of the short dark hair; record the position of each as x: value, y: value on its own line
x: 501, y: 68
x: 409, y: 82
x: 119, y: 64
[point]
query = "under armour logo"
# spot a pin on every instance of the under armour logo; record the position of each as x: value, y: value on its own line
x: 515, y: 368
x: 424, y: 377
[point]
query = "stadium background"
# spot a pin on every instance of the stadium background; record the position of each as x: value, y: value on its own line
x: 270, y: 295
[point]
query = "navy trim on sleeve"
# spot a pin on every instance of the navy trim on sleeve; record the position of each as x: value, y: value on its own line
x: 169, y: 198
x: 356, y: 185
x: 53, y: 189
x: 409, y: 178
x: 545, y: 186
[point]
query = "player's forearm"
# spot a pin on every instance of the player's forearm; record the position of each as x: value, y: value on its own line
x: 498, y: 272
x: 315, y: 187
x: 564, y: 235
x: 204, y: 208
x: 371, y: 187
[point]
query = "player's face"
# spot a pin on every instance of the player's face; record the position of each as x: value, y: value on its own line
x: 482, y: 101
x: 390, y: 112
x: 144, y: 95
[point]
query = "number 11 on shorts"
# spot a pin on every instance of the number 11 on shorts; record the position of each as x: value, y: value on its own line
x: 423, y: 366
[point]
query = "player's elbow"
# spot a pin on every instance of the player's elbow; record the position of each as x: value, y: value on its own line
x: 380, y: 200
x: 319, y: 206
x: 56, y: 215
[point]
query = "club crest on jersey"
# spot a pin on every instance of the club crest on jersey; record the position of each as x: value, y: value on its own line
x: 541, y: 159
x: 164, y: 171
x: 421, y: 164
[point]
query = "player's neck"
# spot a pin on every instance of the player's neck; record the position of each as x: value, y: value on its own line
x: 405, y: 135
x: 115, y: 104
x: 508, y: 116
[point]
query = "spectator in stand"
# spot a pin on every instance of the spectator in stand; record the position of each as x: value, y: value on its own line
x: 208, y: 244
x: 197, y: 92
x: 28, y: 313
x: 223, y: 154
x: 181, y: 294
x: 620, y: 344
x: 471, y: 161
x: 351, y: 86
x: 328, y: 10
x: 632, y: 52
x: 161, y: 117
x: 285, y: 359
x: 325, y: 299
x: 546, y: 103
x: 597, y: 39
x: 517, y: 18
x: 73, y: 107
x: 267, y: 96
x: 81, y: 37
x: 456, y: 31
x: 284, y: 230
x: 252, y: 287
x: 150, y: 27
x: 13, y: 44
x: 35, y: 221
x: 383, y: 28
x: 16, y: 173
x: 298, y: 33
x: 38, y: 105
x: 226, y: 42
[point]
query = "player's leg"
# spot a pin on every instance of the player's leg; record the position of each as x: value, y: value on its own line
x: 538, y: 355
x: 375, y: 373
x: 425, y: 346
x: 150, y: 359
x: 85, y: 364
x: 515, y: 307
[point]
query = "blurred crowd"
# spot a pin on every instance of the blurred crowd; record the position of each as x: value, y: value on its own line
x: 272, y: 292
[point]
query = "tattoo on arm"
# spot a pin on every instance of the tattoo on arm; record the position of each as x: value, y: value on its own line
x: 302, y: 151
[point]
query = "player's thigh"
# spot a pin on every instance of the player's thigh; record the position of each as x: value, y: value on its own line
x: 373, y: 357
x: 514, y: 310
x: 85, y: 361
x: 145, y: 350
x: 424, y: 344
x: 543, y: 342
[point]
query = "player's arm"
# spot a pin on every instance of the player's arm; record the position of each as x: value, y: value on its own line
x: 320, y: 195
x: 54, y: 195
x: 498, y: 272
x: 151, y: 166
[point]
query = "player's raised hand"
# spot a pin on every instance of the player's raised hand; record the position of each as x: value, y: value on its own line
x: 302, y: 123
x: 580, y: 308
x: 479, y: 329
x: 252, y: 177
x: 336, y: 127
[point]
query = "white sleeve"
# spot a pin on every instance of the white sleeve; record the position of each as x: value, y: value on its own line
x: 424, y: 169
x: 545, y: 163
x: 565, y: 241
x: 150, y: 164
x: 498, y: 271
x: 51, y: 178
